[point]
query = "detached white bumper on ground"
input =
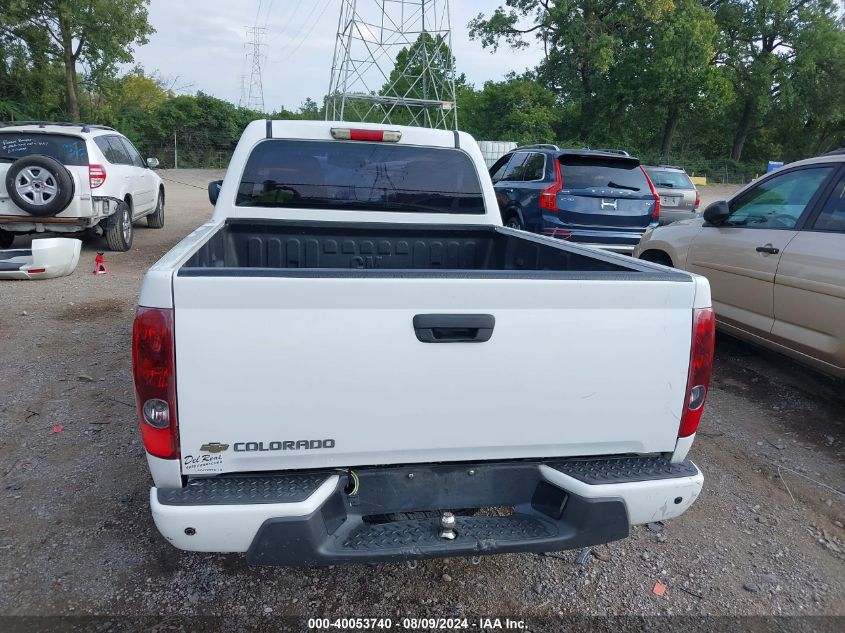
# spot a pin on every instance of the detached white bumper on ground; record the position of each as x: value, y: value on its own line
x: 45, y: 259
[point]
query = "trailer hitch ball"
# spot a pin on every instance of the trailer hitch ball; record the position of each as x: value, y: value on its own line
x: 447, y: 526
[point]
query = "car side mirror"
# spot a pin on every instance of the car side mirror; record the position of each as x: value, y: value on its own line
x: 716, y: 213
x: 152, y: 163
x: 214, y: 190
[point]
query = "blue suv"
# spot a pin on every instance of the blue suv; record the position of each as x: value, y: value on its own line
x: 601, y: 198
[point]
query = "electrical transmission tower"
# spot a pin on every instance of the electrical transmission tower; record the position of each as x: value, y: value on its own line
x: 255, y: 50
x: 393, y: 63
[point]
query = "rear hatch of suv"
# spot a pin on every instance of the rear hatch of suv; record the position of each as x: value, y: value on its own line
x: 605, y: 192
x: 69, y: 150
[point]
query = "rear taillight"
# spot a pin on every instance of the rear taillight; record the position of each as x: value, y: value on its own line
x: 655, y: 215
x: 697, y: 199
x: 154, y: 370
x: 358, y: 134
x: 701, y: 365
x: 96, y: 175
x: 548, y: 197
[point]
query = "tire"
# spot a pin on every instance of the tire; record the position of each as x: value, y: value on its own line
x: 156, y: 219
x: 39, y: 185
x: 657, y: 257
x: 6, y: 239
x: 119, y: 231
x: 513, y: 222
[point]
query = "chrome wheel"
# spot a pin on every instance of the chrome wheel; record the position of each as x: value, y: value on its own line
x: 126, y: 225
x: 36, y: 185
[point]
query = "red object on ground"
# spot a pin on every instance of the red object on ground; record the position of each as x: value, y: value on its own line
x: 100, y: 265
x: 659, y: 589
x: 57, y: 429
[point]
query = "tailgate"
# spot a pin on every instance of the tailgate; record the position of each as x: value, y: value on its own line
x: 304, y: 372
x: 605, y: 208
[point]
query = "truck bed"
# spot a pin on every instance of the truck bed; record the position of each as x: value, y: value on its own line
x: 314, y: 335
x: 293, y: 248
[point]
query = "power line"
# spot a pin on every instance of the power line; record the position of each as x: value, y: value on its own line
x: 310, y: 30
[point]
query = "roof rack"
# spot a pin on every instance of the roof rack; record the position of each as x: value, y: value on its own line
x: 540, y: 146
x: 621, y: 152
x: 85, y: 127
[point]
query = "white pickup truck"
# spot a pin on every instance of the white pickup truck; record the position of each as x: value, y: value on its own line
x: 354, y: 361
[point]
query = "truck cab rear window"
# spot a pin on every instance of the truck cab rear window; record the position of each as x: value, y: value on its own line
x: 360, y: 176
x: 68, y: 150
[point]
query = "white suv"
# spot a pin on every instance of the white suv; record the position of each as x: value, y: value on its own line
x: 73, y: 178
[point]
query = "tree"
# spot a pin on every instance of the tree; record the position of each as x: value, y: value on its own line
x: 758, y: 46
x: 424, y: 70
x: 96, y: 34
x: 517, y: 109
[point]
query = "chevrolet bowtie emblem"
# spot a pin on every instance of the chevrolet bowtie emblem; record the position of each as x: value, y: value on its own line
x: 214, y: 447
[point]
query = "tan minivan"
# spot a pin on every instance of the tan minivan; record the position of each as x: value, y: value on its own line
x: 775, y: 257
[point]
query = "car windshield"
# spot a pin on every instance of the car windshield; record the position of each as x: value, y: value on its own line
x: 360, y: 176
x: 670, y: 179
x: 598, y: 173
x: 68, y: 150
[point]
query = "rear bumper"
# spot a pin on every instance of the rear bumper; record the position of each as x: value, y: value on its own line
x: 309, y: 519
x: 612, y: 239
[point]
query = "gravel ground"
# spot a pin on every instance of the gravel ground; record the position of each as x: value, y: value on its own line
x: 765, y: 537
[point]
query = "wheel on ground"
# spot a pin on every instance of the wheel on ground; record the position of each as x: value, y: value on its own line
x: 156, y: 219
x: 119, y: 230
x: 6, y: 239
x: 513, y: 222
x: 657, y: 257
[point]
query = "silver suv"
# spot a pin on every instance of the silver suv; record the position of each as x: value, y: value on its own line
x: 679, y: 199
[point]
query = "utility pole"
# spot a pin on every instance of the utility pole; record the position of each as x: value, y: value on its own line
x: 255, y: 46
x: 243, y: 93
x: 368, y: 83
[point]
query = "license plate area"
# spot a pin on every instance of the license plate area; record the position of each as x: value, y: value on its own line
x: 670, y: 201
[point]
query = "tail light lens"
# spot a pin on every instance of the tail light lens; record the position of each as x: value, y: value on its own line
x: 701, y: 365
x: 655, y: 215
x: 154, y: 370
x: 697, y: 198
x: 96, y: 175
x: 548, y: 197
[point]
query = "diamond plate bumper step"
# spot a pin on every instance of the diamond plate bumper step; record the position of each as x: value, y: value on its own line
x: 619, y: 470
x: 244, y: 490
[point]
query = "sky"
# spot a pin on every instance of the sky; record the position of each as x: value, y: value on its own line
x: 200, y: 45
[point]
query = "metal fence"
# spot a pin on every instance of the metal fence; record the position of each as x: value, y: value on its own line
x: 186, y: 153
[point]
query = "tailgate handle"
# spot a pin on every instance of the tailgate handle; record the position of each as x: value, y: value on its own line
x: 454, y: 328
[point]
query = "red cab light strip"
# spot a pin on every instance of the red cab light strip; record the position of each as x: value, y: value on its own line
x: 154, y: 371
x: 96, y: 175
x: 548, y: 197
x: 373, y: 136
x: 701, y: 366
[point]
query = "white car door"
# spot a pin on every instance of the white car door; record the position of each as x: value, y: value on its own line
x: 141, y: 179
x: 119, y: 171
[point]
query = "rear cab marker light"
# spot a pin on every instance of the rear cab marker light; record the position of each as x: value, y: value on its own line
x: 358, y: 134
